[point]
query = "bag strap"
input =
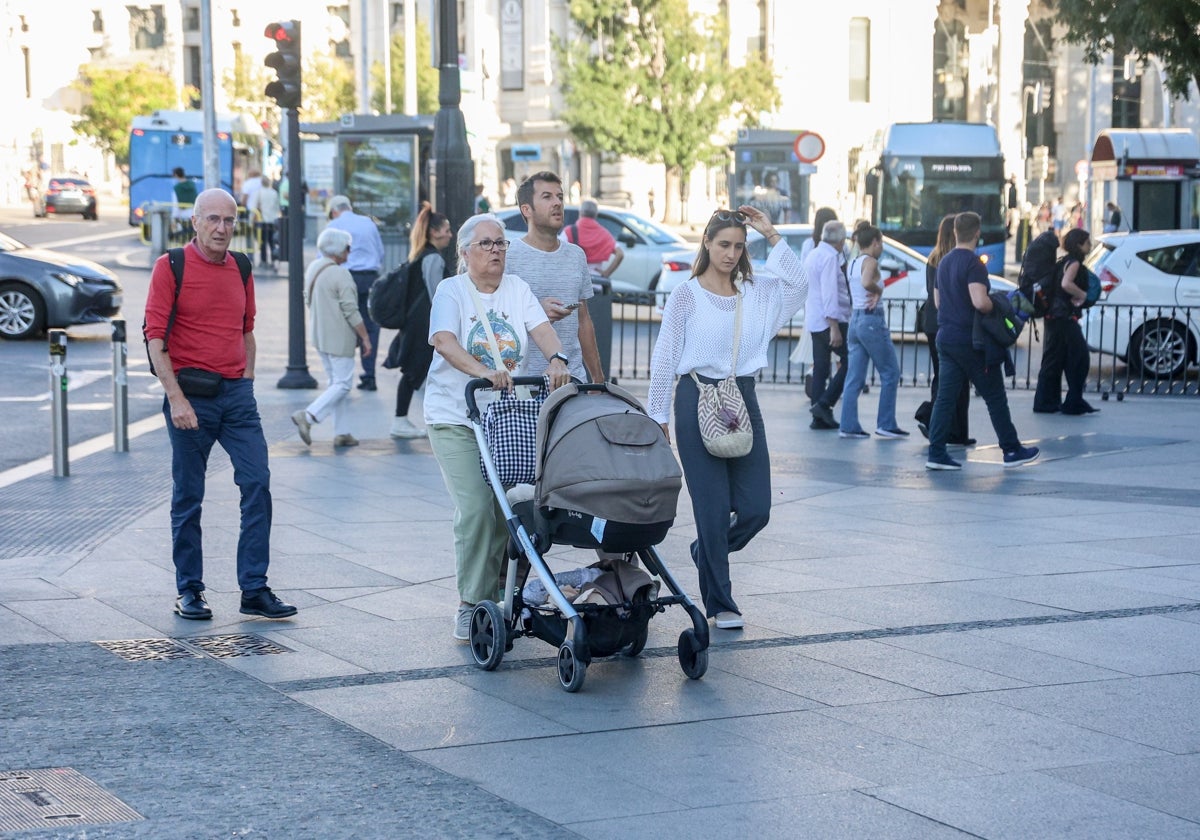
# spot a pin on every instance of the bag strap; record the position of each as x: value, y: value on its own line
x: 737, y: 330
x: 313, y: 283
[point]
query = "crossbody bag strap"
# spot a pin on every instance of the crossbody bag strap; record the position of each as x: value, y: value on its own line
x: 312, y: 284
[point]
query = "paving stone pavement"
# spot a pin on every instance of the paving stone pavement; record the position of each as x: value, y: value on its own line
x: 992, y: 653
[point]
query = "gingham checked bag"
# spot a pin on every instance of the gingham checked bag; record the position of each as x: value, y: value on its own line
x: 509, y: 427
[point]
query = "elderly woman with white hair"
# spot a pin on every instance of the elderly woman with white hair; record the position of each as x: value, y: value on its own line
x: 335, y: 323
x: 480, y: 326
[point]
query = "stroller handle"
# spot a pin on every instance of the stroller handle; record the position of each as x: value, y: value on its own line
x: 485, y: 384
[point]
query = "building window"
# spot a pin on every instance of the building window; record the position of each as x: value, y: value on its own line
x: 1126, y: 93
x: 950, y: 62
x: 191, y: 19
x: 860, y: 59
x: 764, y: 28
x: 147, y: 27
x: 1038, y: 87
x: 191, y: 67
x: 97, y: 21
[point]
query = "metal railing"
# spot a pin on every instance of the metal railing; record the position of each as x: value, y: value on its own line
x: 1135, y: 349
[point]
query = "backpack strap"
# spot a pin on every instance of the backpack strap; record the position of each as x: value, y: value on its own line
x: 573, y: 233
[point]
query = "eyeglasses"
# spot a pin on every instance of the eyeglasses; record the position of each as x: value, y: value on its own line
x: 491, y: 244
x: 736, y: 216
x: 227, y: 221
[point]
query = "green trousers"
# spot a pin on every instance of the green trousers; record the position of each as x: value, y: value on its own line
x: 480, y: 536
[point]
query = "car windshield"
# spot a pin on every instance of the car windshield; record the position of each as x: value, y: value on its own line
x: 649, y: 230
x: 7, y: 243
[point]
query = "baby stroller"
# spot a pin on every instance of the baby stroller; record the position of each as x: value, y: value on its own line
x: 603, y: 477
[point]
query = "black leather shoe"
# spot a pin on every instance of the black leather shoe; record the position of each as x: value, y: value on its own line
x: 367, y: 384
x: 191, y: 605
x: 266, y: 603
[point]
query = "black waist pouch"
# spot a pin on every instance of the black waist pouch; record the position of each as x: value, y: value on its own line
x: 197, y: 382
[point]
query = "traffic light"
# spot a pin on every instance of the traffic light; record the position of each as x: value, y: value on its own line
x: 285, y: 61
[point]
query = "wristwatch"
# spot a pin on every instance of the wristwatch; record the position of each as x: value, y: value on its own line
x: 562, y: 358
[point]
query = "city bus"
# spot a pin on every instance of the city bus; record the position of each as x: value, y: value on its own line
x: 912, y: 174
x: 167, y: 139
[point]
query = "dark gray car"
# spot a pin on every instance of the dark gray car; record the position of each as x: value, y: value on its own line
x: 40, y: 289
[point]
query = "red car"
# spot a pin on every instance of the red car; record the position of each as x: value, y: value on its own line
x: 67, y: 195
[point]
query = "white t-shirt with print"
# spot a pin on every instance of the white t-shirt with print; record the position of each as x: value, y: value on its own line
x: 513, y: 312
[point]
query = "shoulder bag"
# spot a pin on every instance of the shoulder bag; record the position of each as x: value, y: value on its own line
x: 720, y: 408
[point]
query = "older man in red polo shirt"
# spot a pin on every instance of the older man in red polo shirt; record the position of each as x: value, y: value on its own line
x: 601, y: 250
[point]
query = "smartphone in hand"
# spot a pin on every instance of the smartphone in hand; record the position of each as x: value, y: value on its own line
x: 570, y: 307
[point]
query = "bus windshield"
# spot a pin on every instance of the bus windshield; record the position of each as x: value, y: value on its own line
x: 916, y: 194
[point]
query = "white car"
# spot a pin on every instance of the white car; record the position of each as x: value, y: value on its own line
x: 643, y: 241
x: 1149, y: 283
x: 903, y: 271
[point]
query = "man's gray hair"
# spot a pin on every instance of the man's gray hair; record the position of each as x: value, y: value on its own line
x: 339, y: 202
x: 834, y: 231
x: 588, y: 208
x: 467, y: 231
x: 333, y: 242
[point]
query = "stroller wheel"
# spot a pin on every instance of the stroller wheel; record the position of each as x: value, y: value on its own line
x: 570, y: 670
x: 692, y: 659
x: 635, y: 647
x: 488, y: 641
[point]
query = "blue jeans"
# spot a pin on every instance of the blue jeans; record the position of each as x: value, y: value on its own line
x: 231, y: 419
x: 870, y: 338
x: 363, y: 280
x: 960, y: 363
x: 718, y: 487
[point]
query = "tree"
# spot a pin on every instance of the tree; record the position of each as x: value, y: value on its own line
x: 650, y: 80
x: 244, y: 85
x: 1165, y: 29
x: 427, y: 75
x: 114, y: 97
x: 328, y: 88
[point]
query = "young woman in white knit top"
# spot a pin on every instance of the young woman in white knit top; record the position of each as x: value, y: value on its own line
x: 731, y: 497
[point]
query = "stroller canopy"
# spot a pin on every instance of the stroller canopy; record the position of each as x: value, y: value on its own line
x: 601, y: 454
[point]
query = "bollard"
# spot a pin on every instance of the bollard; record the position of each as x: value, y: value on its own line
x: 58, y: 402
x: 120, y: 388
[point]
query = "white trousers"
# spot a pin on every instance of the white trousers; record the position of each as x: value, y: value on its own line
x: 340, y: 370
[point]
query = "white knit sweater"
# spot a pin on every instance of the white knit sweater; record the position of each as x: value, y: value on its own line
x: 696, y: 333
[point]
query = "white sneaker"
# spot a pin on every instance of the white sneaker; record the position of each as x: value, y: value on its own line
x: 402, y: 427
x: 462, y: 622
x: 728, y: 621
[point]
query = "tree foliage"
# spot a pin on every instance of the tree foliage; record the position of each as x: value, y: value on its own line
x: 651, y: 80
x: 114, y: 97
x: 328, y: 88
x: 1166, y: 29
x: 245, y: 84
x: 427, y: 75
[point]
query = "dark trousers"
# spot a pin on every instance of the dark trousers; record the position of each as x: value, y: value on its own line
x: 826, y: 390
x: 266, y: 233
x: 1064, y: 351
x: 412, y: 379
x: 719, y: 487
x: 962, y: 363
x: 960, y: 425
x: 363, y: 280
x: 230, y: 419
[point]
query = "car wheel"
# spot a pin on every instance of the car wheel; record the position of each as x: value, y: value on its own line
x: 22, y: 312
x: 1159, y: 349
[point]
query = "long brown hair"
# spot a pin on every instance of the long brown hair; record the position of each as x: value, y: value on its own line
x: 720, y: 220
x: 428, y: 219
x: 945, y: 239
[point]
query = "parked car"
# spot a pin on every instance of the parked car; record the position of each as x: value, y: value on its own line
x: 1148, y: 283
x: 903, y: 271
x: 66, y: 195
x: 643, y: 241
x: 41, y: 289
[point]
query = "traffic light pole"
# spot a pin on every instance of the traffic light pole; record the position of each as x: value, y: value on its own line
x: 297, y: 375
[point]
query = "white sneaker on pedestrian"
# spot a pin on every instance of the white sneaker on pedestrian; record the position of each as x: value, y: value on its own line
x: 402, y: 427
x: 728, y: 621
x: 462, y: 622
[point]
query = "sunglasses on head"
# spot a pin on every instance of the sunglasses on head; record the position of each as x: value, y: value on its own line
x: 736, y: 216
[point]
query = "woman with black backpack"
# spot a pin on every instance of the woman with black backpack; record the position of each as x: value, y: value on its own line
x: 1065, y: 350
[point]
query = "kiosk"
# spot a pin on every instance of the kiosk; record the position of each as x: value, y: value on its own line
x: 1152, y: 175
x: 766, y: 171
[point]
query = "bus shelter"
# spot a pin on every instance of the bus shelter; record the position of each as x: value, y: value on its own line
x: 1152, y: 175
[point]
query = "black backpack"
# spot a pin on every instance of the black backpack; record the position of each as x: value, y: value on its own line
x: 1037, y: 280
x: 175, y: 259
x: 392, y: 297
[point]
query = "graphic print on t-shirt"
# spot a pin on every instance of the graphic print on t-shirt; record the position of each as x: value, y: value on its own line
x: 506, y: 339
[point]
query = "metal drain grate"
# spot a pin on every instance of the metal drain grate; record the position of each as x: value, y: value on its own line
x: 148, y: 650
x: 236, y: 644
x: 56, y: 797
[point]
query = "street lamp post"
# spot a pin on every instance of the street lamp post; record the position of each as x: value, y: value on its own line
x: 452, y: 172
